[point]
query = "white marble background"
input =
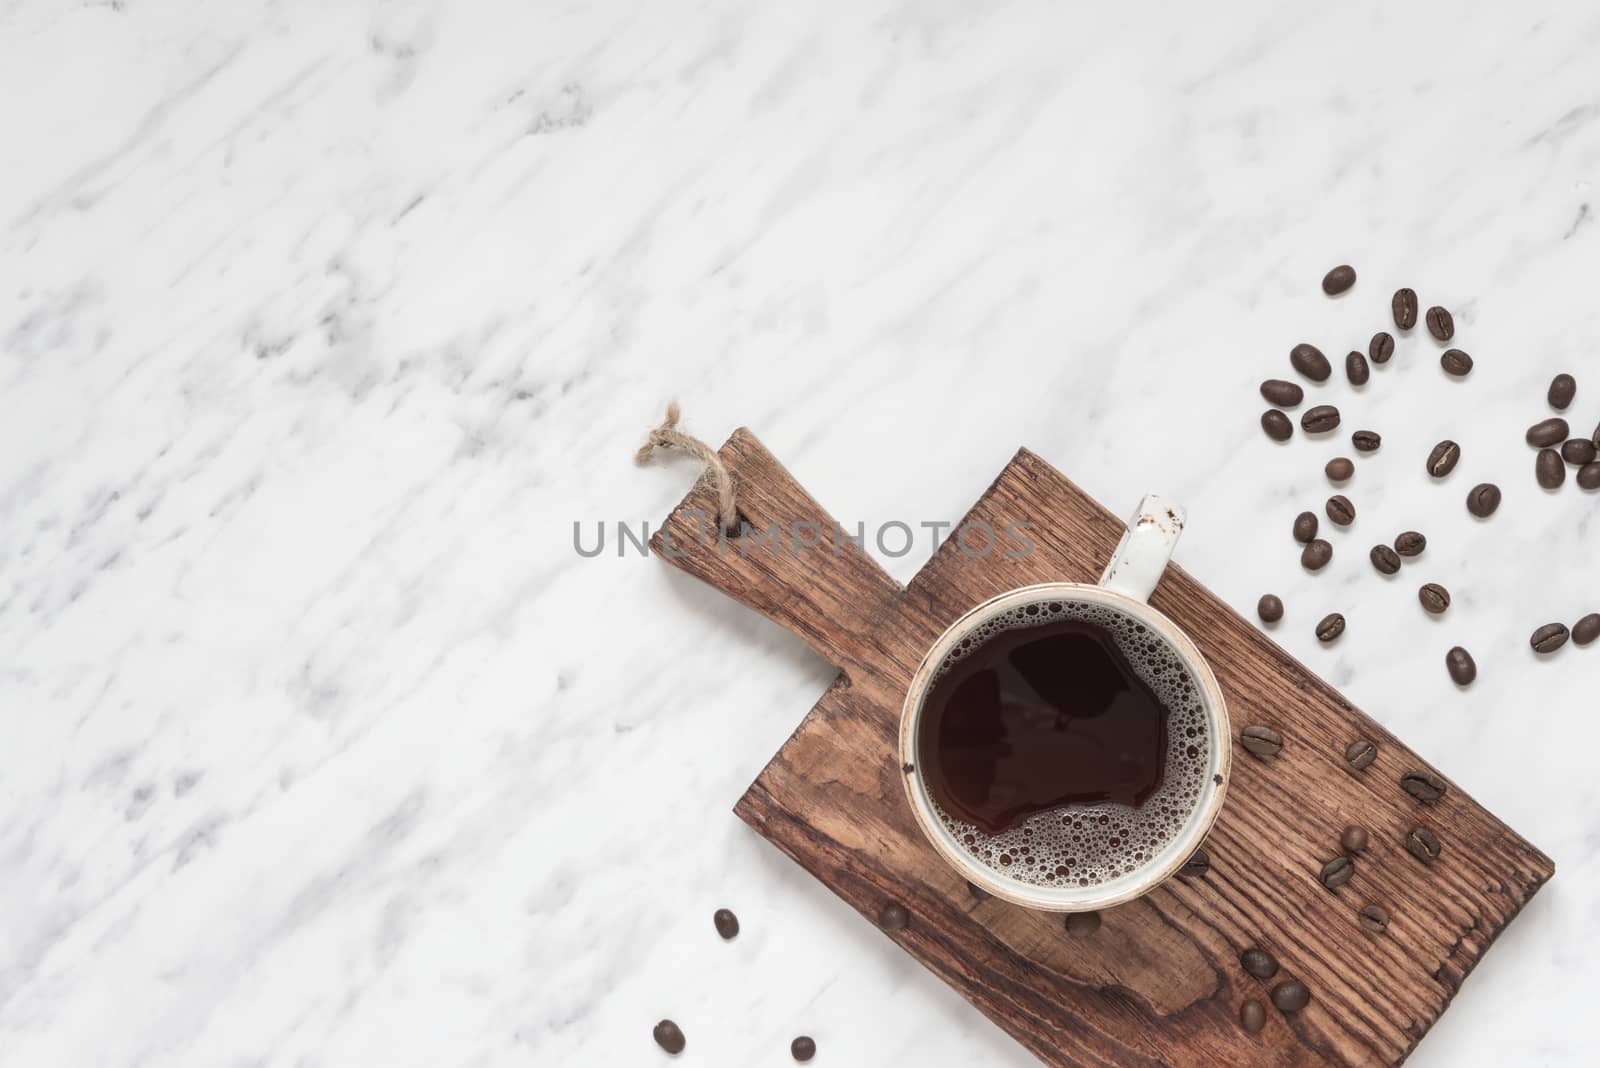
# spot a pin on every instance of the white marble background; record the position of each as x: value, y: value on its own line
x: 321, y: 323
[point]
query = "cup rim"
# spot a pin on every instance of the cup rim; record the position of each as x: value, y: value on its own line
x: 1141, y: 880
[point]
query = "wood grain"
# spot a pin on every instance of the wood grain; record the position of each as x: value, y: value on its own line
x: 1160, y: 982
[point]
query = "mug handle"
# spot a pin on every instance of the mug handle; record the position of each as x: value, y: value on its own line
x: 1145, y: 548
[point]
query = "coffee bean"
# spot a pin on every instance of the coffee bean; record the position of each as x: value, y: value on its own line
x: 1360, y: 754
x: 1340, y: 510
x: 1483, y: 499
x: 1259, y: 963
x: 1441, y: 324
x: 1410, y: 543
x: 1339, y: 279
x: 1281, y: 394
x: 727, y: 924
x: 1549, y: 470
x: 1269, y: 608
x: 803, y: 1048
x: 1404, y: 307
x: 1548, y: 432
x: 894, y: 917
x: 1589, y: 476
x: 1320, y: 420
x: 1339, y: 469
x: 1463, y: 669
x: 1309, y: 361
x: 1381, y: 347
x: 1082, y: 924
x: 1586, y: 629
x: 1252, y: 1017
x: 1316, y: 554
x: 1356, y: 369
x: 1549, y: 638
x: 1198, y: 864
x: 1305, y: 527
x: 1336, y: 872
x: 669, y: 1037
x: 1277, y: 425
x: 1578, y: 451
x: 1354, y: 839
x: 1563, y: 388
x: 1330, y: 628
x: 978, y: 893
x: 1443, y: 459
x: 1434, y: 597
x: 1456, y: 363
x: 1385, y: 559
x: 1423, y: 844
x: 1291, y: 996
x: 1261, y: 741
x: 1425, y: 786
x: 1374, y: 920
x: 1366, y: 441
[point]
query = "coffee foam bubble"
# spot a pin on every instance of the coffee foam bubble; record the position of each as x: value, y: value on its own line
x: 1083, y: 845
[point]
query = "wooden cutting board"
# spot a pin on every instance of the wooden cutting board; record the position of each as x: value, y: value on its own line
x: 1160, y: 982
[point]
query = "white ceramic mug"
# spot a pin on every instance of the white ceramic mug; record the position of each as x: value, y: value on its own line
x: 1124, y: 589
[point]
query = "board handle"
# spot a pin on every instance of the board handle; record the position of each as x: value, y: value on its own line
x: 790, y: 560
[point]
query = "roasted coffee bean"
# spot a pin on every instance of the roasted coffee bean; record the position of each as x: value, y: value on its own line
x: 1320, y: 420
x: 1548, y: 432
x: 1404, y: 307
x: 1443, y: 459
x: 1309, y: 361
x: 1456, y: 363
x: 1269, y: 608
x: 1423, y: 844
x: 1259, y: 963
x: 1385, y: 559
x: 1252, y: 1017
x: 1374, y: 920
x: 1305, y: 527
x: 1586, y: 629
x: 1463, y: 669
x: 1291, y: 996
x: 1441, y: 324
x: 1339, y: 279
x: 1425, y: 786
x: 1336, y: 872
x: 1360, y: 754
x: 1483, y: 499
x: 726, y: 923
x: 1549, y: 470
x: 1281, y: 394
x: 1381, y: 347
x: 1366, y: 440
x: 1354, y: 839
x: 1563, y: 388
x: 1356, y: 369
x: 669, y: 1037
x: 1082, y: 924
x: 1277, y: 425
x: 1340, y: 510
x: 1434, y: 597
x: 1316, y: 554
x: 1339, y: 469
x: 1549, y: 638
x: 1410, y: 543
x: 1330, y: 628
x: 1589, y: 476
x: 1261, y: 741
x: 1198, y: 864
x: 894, y: 917
x: 1578, y: 451
x: 803, y: 1048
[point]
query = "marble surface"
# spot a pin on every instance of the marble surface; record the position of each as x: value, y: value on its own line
x: 321, y: 325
